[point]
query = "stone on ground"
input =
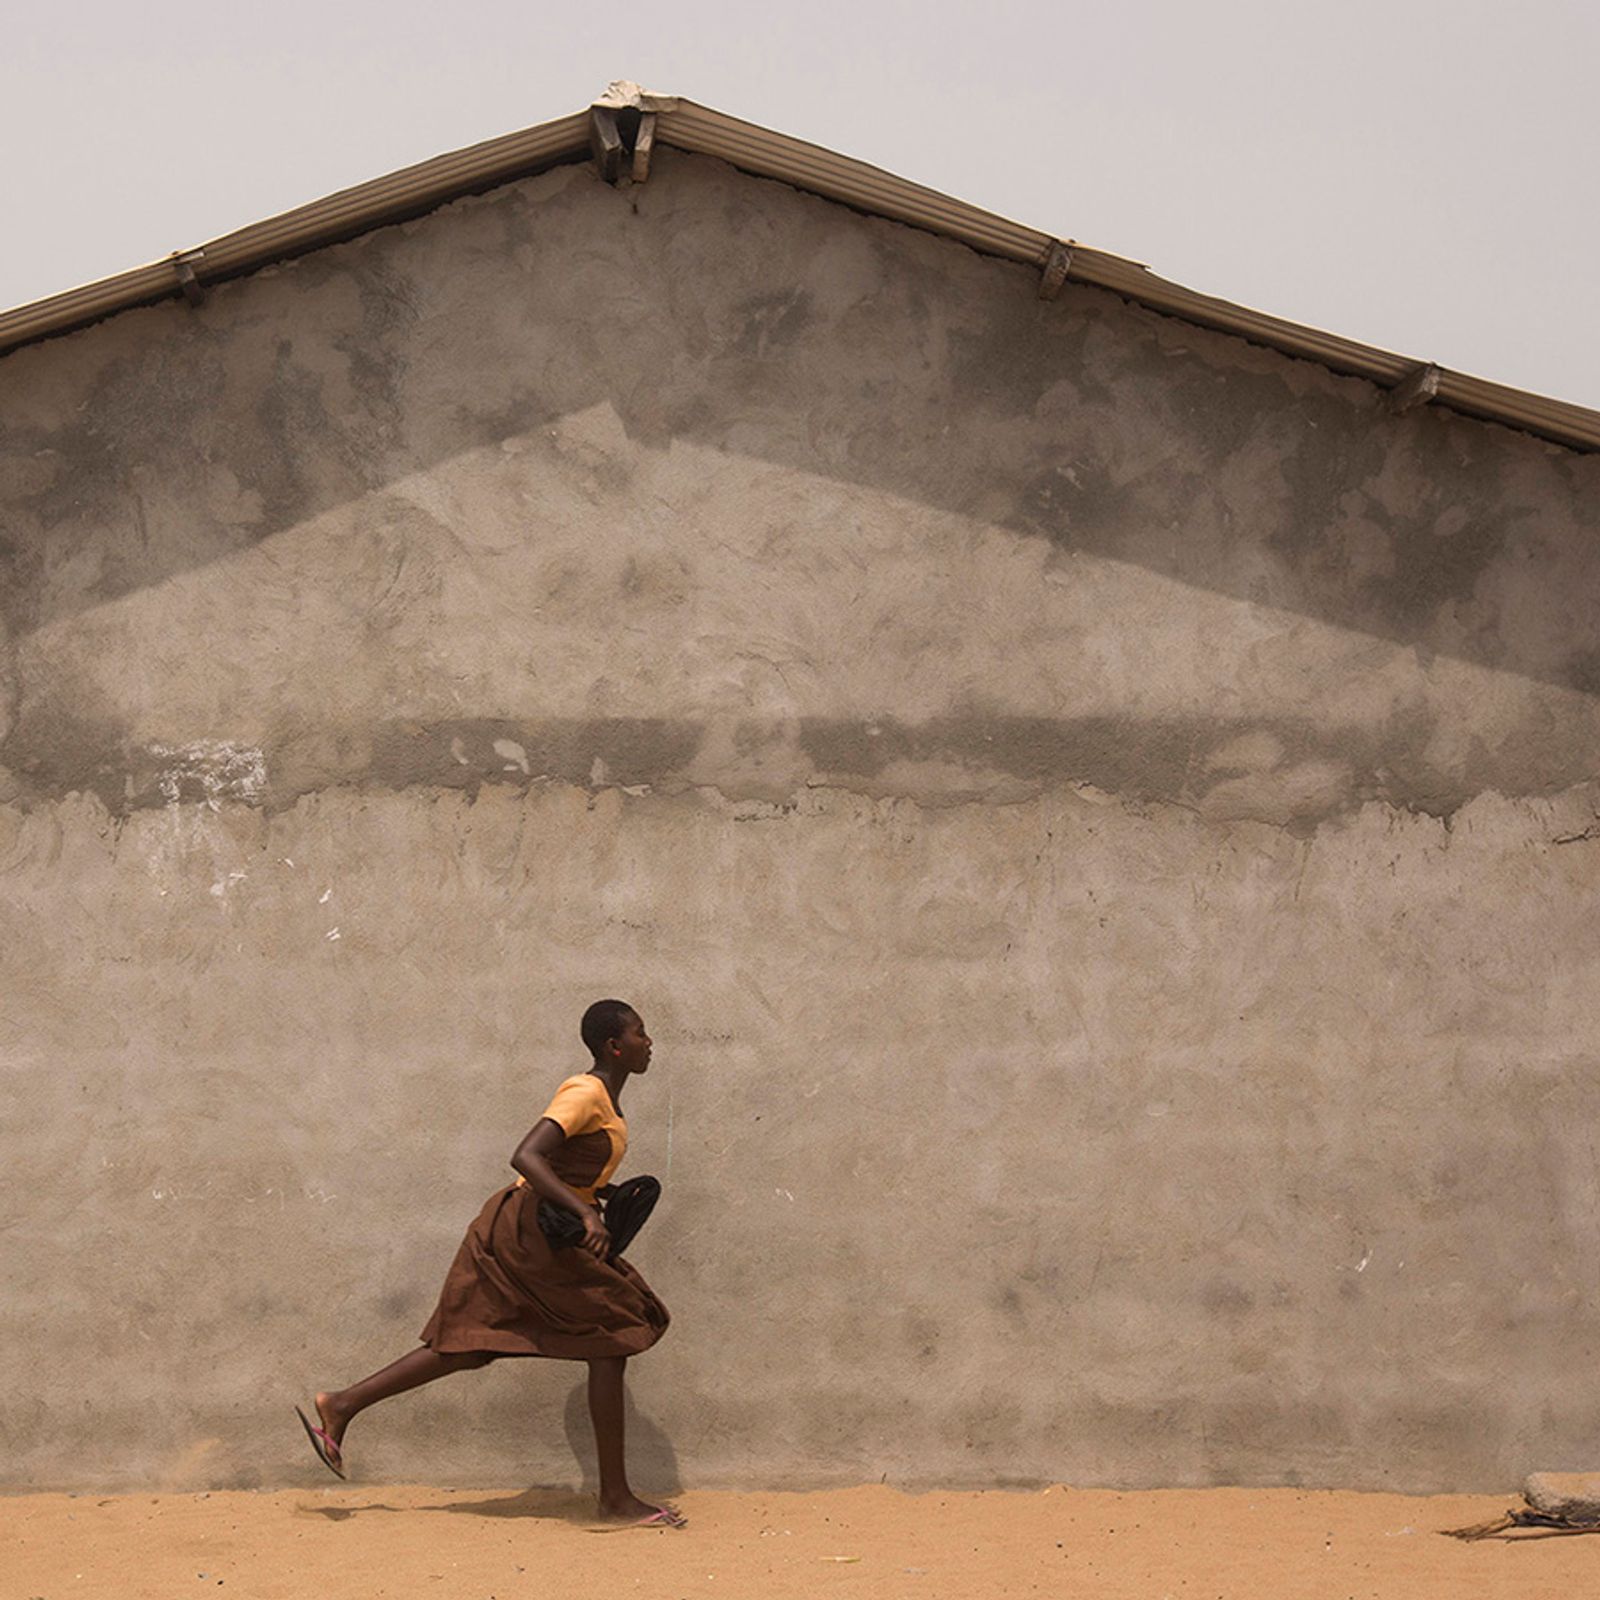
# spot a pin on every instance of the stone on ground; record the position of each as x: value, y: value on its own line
x: 1574, y: 1496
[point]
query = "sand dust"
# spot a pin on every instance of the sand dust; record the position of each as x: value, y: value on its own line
x: 405, y: 1541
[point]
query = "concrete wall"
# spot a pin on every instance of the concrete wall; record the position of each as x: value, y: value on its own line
x: 1096, y: 816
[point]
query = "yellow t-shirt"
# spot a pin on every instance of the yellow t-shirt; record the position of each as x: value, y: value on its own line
x: 597, y: 1137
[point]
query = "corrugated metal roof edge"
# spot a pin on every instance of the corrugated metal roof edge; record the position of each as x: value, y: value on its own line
x: 414, y: 190
x: 346, y: 214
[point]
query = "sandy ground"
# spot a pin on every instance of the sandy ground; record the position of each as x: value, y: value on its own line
x: 405, y: 1541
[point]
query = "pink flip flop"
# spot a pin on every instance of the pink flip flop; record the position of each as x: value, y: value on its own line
x: 328, y: 1452
x: 663, y: 1517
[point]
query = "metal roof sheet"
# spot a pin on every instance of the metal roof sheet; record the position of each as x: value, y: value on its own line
x: 702, y: 131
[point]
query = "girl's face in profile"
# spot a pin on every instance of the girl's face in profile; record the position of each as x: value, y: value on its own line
x: 633, y: 1045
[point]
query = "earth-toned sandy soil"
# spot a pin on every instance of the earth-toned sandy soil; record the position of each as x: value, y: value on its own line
x: 409, y: 1541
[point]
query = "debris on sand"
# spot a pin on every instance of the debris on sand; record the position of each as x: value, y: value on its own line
x: 1565, y: 1502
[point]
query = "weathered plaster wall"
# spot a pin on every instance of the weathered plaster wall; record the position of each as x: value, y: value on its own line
x: 1097, y: 817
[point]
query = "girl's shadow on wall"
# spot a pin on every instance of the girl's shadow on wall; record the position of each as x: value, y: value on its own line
x: 652, y: 1462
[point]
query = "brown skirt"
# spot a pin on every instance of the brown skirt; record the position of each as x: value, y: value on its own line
x: 508, y: 1293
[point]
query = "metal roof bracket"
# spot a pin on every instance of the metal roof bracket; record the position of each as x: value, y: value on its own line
x: 1057, y: 264
x: 1417, y: 388
x: 183, y: 263
x: 644, y: 141
x: 622, y: 141
x: 605, y: 141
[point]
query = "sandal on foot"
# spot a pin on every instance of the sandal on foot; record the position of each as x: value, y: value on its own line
x: 662, y: 1517
x: 323, y: 1443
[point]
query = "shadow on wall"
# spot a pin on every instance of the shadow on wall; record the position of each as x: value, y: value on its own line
x: 652, y: 1462
x: 1096, y: 426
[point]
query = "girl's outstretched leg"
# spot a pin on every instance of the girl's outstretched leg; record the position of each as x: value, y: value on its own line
x: 618, y: 1503
x: 338, y: 1407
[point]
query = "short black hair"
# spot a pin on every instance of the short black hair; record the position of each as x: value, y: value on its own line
x: 603, y: 1022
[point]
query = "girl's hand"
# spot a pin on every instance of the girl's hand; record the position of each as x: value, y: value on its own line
x: 595, y: 1238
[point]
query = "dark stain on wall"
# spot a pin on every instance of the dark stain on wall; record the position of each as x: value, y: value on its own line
x: 1309, y: 773
x: 1183, y: 760
x: 1583, y: 670
x: 771, y: 321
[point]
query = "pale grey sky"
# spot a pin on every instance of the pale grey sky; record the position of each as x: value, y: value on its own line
x: 1413, y: 173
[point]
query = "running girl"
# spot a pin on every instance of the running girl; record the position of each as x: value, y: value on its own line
x: 540, y: 1272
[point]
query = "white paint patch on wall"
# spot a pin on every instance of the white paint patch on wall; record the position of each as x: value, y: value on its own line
x: 514, y: 756
x: 194, y: 779
x: 222, y: 769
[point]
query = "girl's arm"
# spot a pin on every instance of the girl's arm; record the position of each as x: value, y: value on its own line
x: 532, y: 1162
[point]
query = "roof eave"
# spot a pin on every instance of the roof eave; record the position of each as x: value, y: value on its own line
x: 415, y: 190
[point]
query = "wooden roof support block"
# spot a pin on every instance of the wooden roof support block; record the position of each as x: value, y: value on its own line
x: 183, y: 263
x: 1056, y: 267
x: 644, y: 142
x: 606, y: 143
x: 1415, y: 390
